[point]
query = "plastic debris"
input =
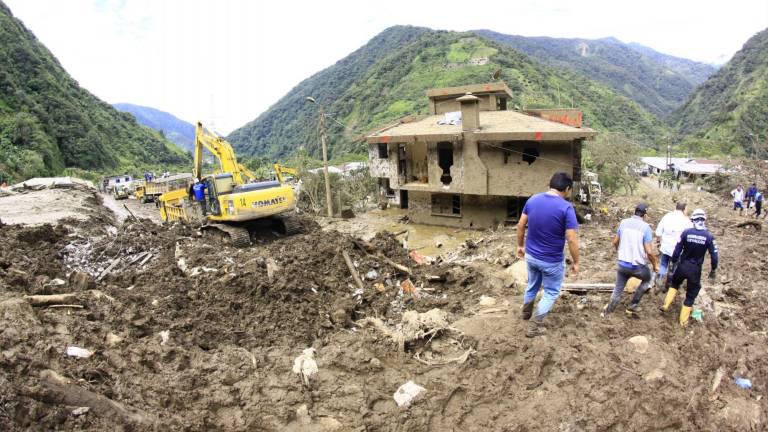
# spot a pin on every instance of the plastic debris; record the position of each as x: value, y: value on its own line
x: 408, y: 287
x: 743, y: 383
x: 372, y: 275
x: 408, y: 393
x: 417, y: 257
x: 697, y: 314
x: 73, y: 351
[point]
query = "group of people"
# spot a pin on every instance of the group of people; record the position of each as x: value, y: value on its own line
x: 548, y: 222
x: 748, y: 199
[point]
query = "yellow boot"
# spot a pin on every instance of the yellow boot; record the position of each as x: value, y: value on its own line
x: 685, y: 313
x: 671, y: 293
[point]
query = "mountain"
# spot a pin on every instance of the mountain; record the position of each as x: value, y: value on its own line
x: 387, y: 78
x: 173, y: 128
x: 48, y: 122
x: 658, y: 82
x: 729, y: 112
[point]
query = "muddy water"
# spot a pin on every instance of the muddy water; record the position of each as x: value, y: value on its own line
x: 423, y: 238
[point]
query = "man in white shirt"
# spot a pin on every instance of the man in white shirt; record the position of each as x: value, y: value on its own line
x: 738, y: 199
x: 668, y: 232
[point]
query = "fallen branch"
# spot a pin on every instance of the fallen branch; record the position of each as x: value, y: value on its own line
x: 71, y: 306
x: 55, y: 389
x: 64, y: 299
x: 51, y: 299
x: 754, y: 224
x: 146, y: 258
x: 369, y: 250
x: 352, y: 270
x: 594, y: 287
x: 108, y: 269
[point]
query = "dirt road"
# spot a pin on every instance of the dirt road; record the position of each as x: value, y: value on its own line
x: 190, y: 334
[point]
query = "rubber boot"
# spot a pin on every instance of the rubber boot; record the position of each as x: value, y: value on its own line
x: 671, y: 293
x: 527, y: 311
x: 536, y: 327
x: 685, y: 313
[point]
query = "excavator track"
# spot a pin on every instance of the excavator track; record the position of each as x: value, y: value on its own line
x: 289, y: 225
x: 240, y: 236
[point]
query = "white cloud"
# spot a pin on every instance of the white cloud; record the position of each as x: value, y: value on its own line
x: 226, y: 61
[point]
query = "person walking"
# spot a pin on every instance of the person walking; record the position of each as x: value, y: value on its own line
x: 551, y: 221
x: 750, y: 195
x: 689, y: 258
x: 668, y: 232
x: 738, y: 199
x: 758, y: 204
x: 634, y: 242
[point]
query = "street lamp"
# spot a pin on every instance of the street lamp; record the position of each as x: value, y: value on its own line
x: 325, y: 155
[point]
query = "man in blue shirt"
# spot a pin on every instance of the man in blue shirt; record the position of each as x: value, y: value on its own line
x: 633, y: 241
x: 198, y: 193
x: 551, y: 220
x: 689, y: 256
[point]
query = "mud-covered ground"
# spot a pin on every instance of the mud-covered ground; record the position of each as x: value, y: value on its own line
x: 188, y: 333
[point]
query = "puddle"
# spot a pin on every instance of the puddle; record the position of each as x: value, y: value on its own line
x: 420, y: 237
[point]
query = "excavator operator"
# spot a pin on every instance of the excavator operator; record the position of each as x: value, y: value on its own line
x: 198, y: 193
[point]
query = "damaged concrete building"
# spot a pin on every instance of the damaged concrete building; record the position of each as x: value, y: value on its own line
x: 472, y: 163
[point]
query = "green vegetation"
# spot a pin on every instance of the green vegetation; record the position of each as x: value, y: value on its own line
x: 49, y: 123
x: 388, y: 77
x: 728, y: 114
x: 657, y: 82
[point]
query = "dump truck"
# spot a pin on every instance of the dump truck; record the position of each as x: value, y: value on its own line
x: 151, y: 190
x: 236, y: 203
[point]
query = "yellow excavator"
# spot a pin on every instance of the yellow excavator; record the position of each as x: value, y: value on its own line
x: 282, y: 171
x: 237, y: 204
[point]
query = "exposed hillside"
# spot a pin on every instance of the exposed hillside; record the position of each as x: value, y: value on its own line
x: 48, y: 122
x: 658, y: 82
x: 729, y: 112
x: 170, y: 126
x: 387, y: 79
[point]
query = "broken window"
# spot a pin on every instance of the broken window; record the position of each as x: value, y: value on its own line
x: 515, y: 208
x: 530, y: 155
x: 446, y: 205
x: 445, y: 161
x: 383, y: 153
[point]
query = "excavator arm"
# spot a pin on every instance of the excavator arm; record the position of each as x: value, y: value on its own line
x: 222, y: 151
x: 280, y: 170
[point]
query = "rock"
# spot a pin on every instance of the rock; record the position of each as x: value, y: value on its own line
x: 113, y: 339
x: 408, y: 393
x: 81, y: 281
x: 639, y: 343
x: 372, y: 275
x: 519, y: 272
x: 347, y: 213
x: 375, y: 363
x: 654, y: 375
x: 487, y: 301
x: 632, y: 285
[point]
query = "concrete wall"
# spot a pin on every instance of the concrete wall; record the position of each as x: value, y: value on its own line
x: 516, y: 177
x: 476, y: 211
x: 487, y: 102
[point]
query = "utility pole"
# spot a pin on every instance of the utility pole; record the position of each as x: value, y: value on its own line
x: 325, y: 155
x: 325, y: 162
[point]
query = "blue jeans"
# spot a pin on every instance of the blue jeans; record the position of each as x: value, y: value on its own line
x: 664, y: 266
x: 547, y: 275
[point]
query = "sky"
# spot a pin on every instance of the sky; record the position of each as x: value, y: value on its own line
x: 224, y: 62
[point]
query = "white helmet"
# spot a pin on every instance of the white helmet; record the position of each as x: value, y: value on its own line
x: 698, y: 214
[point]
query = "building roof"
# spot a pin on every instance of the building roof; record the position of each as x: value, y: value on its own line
x: 494, y: 126
x: 473, y: 88
x: 687, y: 165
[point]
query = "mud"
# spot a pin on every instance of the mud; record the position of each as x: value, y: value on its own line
x: 236, y: 319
